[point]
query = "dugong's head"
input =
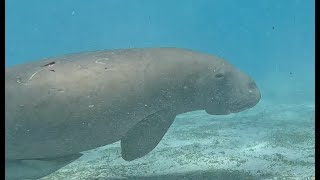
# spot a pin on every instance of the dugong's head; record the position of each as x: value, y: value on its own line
x: 223, y: 89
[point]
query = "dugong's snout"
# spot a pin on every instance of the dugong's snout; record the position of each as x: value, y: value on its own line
x: 251, y: 95
x: 236, y: 92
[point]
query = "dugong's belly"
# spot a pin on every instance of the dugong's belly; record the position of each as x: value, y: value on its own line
x: 58, y: 117
x: 61, y: 129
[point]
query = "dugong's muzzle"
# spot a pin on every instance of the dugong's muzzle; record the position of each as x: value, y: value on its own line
x: 236, y: 97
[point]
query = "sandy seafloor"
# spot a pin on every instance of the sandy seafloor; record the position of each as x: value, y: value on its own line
x: 269, y: 141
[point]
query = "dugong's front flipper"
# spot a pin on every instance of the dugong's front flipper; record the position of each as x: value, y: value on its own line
x: 36, y: 168
x: 145, y: 136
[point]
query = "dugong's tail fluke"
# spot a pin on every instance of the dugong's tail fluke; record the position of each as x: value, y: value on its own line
x: 36, y: 168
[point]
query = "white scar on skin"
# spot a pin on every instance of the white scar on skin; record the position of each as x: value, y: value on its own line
x: 102, y: 59
x: 30, y: 78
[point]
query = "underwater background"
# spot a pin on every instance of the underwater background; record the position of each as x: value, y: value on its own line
x: 271, y: 40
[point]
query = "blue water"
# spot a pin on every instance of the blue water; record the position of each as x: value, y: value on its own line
x: 271, y: 40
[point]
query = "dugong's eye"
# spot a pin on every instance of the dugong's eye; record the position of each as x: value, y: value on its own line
x: 219, y: 75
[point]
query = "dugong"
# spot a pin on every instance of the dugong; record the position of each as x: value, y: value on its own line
x: 58, y: 107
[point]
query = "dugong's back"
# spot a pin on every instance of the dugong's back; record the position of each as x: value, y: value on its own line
x: 65, y: 105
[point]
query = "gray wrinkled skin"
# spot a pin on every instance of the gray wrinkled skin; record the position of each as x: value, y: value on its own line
x: 65, y: 105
